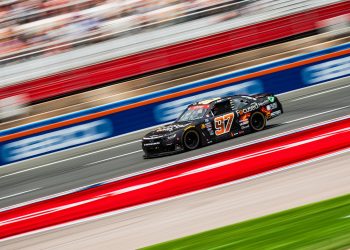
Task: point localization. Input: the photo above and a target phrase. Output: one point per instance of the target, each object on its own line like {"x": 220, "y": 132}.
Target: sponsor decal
{"x": 251, "y": 108}
{"x": 209, "y": 128}
{"x": 171, "y": 127}
{"x": 208, "y": 125}
{"x": 267, "y": 104}
{"x": 192, "y": 126}
{"x": 245, "y": 127}
{"x": 266, "y": 111}
{"x": 273, "y": 105}
{"x": 194, "y": 107}
{"x": 276, "y": 113}
{"x": 152, "y": 137}
{"x": 171, "y": 110}
{"x": 151, "y": 144}
{"x": 271, "y": 98}
{"x": 223, "y": 123}
{"x": 264, "y": 103}
{"x": 327, "y": 71}
{"x": 244, "y": 117}
{"x": 256, "y": 106}
{"x": 244, "y": 122}
{"x": 57, "y": 140}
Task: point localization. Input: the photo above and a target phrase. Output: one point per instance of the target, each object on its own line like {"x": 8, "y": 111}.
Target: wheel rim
{"x": 258, "y": 121}
{"x": 191, "y": 140}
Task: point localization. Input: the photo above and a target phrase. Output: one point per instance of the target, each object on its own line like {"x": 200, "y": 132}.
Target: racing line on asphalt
{"x": 322, "y": 113}
{"x": 320, "y": 93}
{"x": 12, "y": 195}
{"x": 112, "y": 158}
{"x": 68, "y": 159}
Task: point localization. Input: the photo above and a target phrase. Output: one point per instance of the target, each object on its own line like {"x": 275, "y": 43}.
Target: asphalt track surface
{"x": 71, "y": 169}
{"x": 185, "y": 215}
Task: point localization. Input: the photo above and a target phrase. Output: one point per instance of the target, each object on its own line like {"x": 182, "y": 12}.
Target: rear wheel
{"x": 191, "y": 140}
{"x": 257, "y": 121}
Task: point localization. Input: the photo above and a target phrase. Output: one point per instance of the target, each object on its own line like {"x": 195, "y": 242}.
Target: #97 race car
{"x": 210, "y": 121}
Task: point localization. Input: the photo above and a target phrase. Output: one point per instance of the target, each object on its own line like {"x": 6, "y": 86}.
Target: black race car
{"x": 210, "y": 121}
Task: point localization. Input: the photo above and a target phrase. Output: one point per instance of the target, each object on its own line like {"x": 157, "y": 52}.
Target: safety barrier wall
{"x": 159, "y": 107}
{"x": 178, "y": 179}
{"x": 172, "y": 55}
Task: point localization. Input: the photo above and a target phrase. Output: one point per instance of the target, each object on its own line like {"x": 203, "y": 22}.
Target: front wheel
{"x": 257, "y": 121}
{"x": 191, "y": 140}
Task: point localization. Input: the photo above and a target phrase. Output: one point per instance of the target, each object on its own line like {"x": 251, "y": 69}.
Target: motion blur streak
{"x": 179, "y": 179}
{"x": 175, "y": 54}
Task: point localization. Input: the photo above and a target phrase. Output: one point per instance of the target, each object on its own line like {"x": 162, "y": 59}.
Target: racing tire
{"x": 191, "y": 140}
{"x": 257, "y": 121}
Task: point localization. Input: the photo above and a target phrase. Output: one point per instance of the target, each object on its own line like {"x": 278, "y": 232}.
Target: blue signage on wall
{"x": 56, "y": 140}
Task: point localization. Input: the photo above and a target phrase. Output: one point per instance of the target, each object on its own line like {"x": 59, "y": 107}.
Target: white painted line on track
{"x": 322, "y": 113}
{"x": 319, "y": 93}
{"x": 177, "y": 162}
{"x": 70, "y": 158}
{"x": 17, "y": 194}
{"x": 112, "y": 158}
{"x": 149, "y": 204}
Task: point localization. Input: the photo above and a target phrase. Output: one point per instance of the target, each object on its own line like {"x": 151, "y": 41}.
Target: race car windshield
{"x": 193, "y": 113}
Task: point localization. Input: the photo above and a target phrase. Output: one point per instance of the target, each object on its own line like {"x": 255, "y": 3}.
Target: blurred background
{"x": 35, "y": 25}
{"x": 40, "y": 39}
{"x": 40, "y": 28}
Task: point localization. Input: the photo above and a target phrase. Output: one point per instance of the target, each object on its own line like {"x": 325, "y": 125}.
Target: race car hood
{"x": 168, "y": 129}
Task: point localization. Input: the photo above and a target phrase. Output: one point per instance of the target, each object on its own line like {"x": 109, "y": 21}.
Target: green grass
{"x": 323, "y": 225}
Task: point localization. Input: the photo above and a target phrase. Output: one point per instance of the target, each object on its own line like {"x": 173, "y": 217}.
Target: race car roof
{"x": 216, "y": 99}
{"x": 208, "y": 101}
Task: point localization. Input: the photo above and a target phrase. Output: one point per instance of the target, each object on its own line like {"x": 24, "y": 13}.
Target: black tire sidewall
{"x": 251, "y": 119}
{"x": 184, "y": 138}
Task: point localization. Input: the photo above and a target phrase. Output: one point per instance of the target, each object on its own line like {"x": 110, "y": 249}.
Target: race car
{"x": 210, "y": 121}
